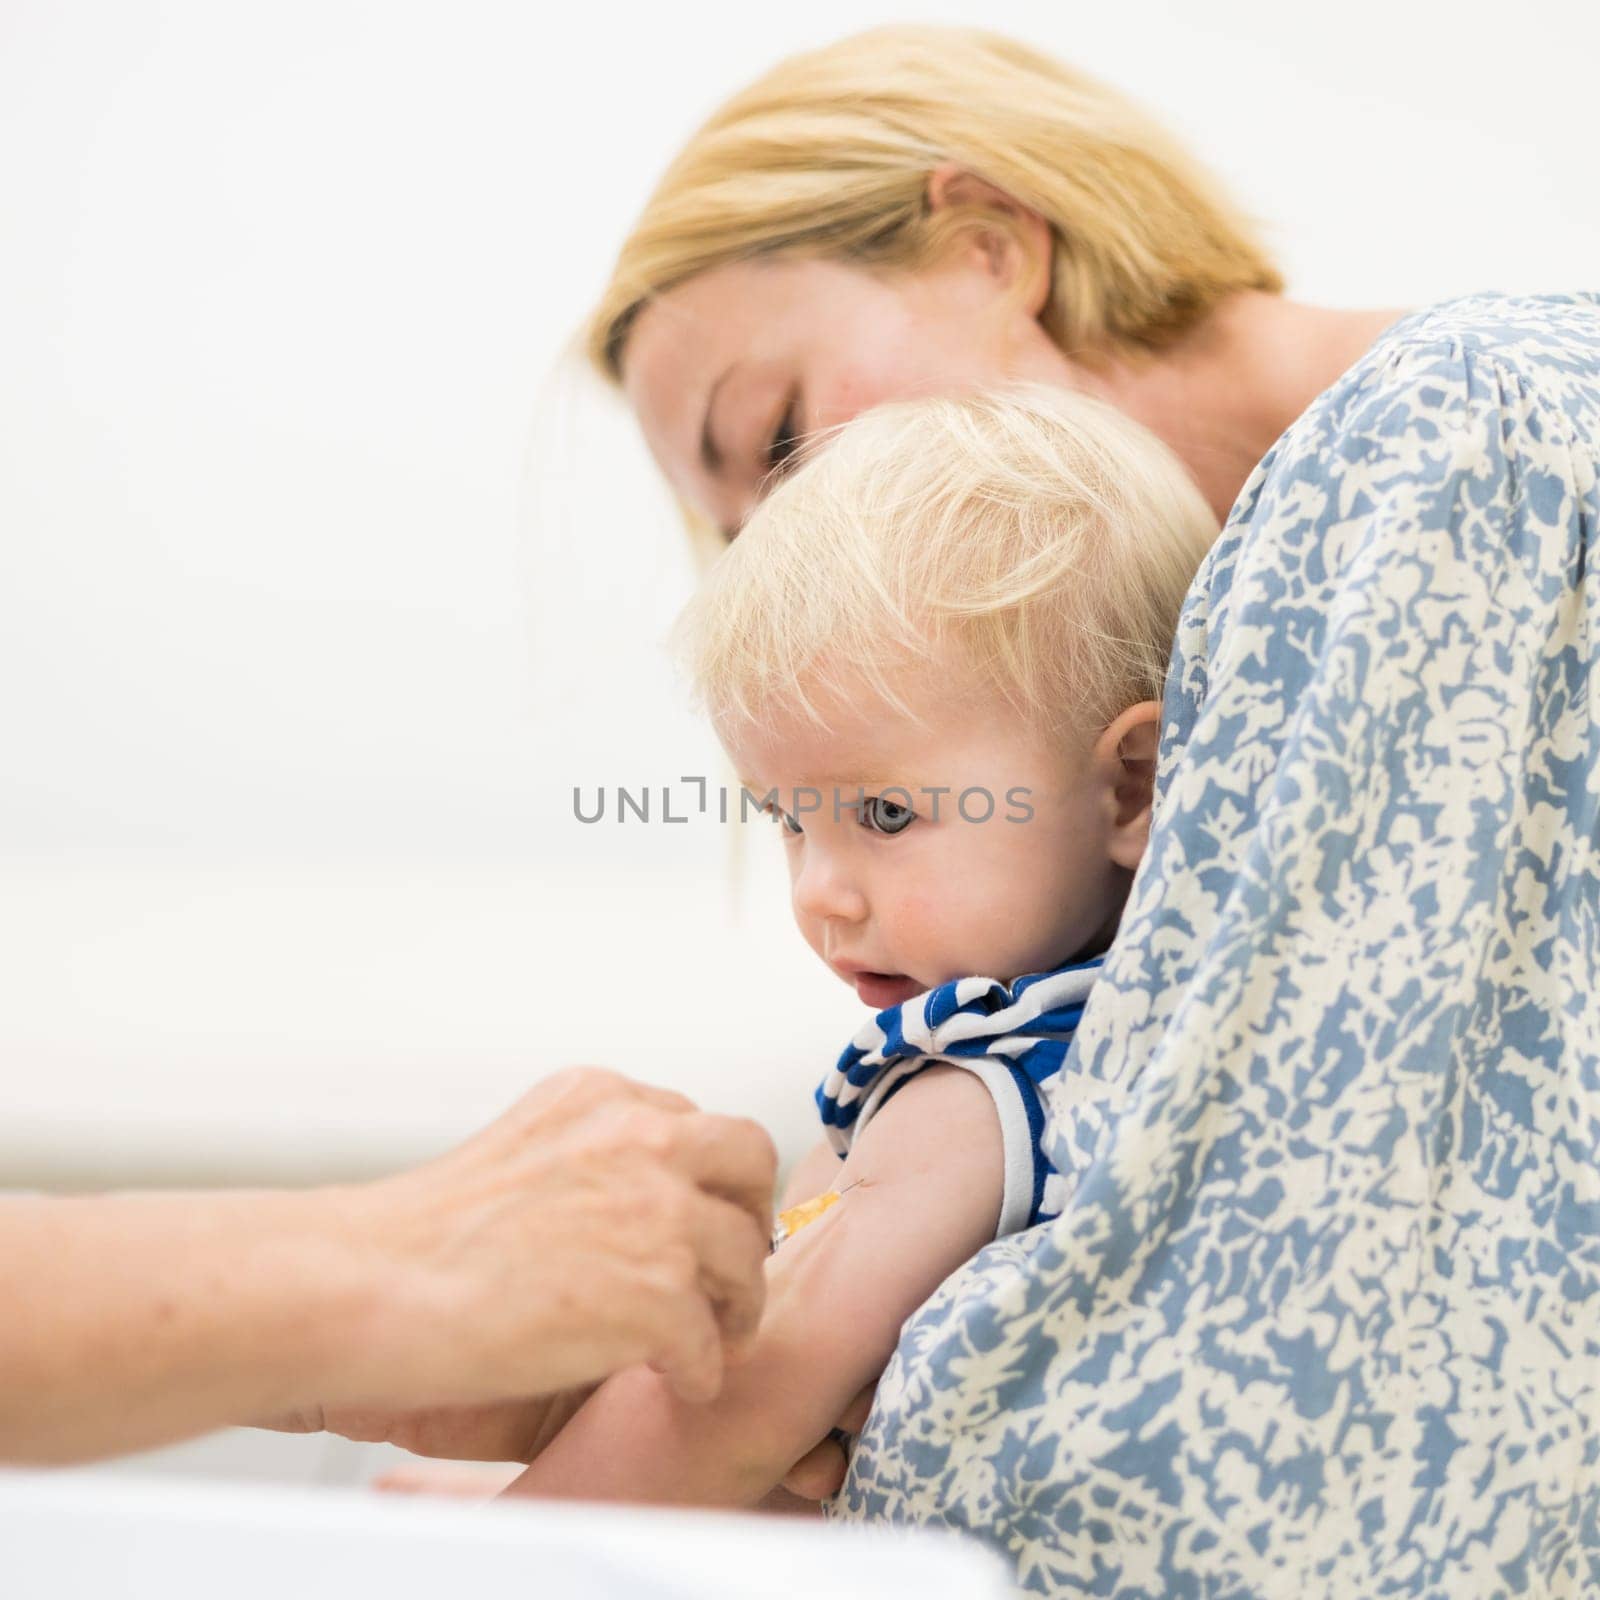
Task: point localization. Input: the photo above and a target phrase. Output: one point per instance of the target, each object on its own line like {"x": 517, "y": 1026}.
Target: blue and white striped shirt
{"x": 1014, "y": 1037}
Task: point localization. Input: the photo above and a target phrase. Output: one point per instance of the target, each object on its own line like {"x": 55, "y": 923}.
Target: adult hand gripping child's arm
{"x": 928, "y": 1174}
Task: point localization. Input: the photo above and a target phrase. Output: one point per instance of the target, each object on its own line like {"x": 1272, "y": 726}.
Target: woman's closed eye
{"x": 786, "y": 440}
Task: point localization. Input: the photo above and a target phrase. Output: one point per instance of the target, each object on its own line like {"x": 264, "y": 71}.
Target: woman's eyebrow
{"x": 710, "y": 455}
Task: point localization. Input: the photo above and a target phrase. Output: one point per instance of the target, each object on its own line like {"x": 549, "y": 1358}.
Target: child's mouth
{"x": 881, "y": 990}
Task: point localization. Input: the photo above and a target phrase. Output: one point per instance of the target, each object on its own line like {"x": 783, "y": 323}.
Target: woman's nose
{"x": 823, "y": 888}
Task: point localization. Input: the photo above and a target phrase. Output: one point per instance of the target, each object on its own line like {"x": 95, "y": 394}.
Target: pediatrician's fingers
{"x": 652, "y": 1094}
{"x": 689, "y": 1355}
{"x": 732, "y": 1252}
{"x": 598, "y": 1224}
{"x": 731, "y": 1157}
{"x": 579, "y": 1090}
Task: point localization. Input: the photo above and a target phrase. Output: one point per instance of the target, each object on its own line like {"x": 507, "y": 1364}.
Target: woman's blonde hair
{"x": 1045, "y": 536}
{"x": 830, "y": 154}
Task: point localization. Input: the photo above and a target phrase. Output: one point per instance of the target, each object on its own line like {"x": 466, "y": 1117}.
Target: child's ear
{"x": 1126, "y": 752}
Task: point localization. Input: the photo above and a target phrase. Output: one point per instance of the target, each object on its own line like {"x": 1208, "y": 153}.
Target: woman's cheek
{"x": 855, "y": 390}
{"x": 876, "y": 363}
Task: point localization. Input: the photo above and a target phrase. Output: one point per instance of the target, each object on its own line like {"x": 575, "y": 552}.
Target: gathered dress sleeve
{"x": 1323, "y": 1314}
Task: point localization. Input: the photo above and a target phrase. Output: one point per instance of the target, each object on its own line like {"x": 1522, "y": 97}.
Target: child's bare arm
{"x": 814, "y": 1173}
{"x": 930, "y": 1173}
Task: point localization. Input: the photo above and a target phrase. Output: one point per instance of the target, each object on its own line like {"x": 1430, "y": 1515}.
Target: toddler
{"x": 935, "y": 656}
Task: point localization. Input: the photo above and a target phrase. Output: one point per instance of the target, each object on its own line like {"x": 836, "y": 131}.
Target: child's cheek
{"x": 921, "y": 915}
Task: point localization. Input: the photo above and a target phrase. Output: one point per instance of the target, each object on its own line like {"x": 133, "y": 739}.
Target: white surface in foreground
{"x": 70, "y": 1536}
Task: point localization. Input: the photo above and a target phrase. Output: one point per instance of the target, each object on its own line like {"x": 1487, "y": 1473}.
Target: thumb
{"x": 693, "y": 1362}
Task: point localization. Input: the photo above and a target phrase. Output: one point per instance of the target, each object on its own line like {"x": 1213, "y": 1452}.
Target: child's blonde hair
{"x": 1044, "y": 535}
{"x": 830, "y": 152}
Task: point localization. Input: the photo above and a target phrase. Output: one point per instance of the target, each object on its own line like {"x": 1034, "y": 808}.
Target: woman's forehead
{"x": 754, "y": 308}
{"x": 696, "y": 321}
{"x": 683, "y": 345}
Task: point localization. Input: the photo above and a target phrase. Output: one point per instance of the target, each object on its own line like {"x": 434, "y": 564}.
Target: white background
{"x": 323, "y": 577}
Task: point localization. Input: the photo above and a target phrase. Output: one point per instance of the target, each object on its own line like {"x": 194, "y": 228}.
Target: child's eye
{"x": 883, "y": 815}
{"x": 791, "y": 823}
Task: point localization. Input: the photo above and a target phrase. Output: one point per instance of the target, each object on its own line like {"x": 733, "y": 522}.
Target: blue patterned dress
{"x": 1322, "y": 1317}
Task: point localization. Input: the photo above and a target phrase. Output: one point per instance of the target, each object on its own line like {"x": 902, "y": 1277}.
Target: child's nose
{"x": 823, "y": 888}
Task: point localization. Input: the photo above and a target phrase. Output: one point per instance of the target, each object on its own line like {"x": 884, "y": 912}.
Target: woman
{"x": 1325, "y": 1315}
{"x": 597, "y": 1224}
